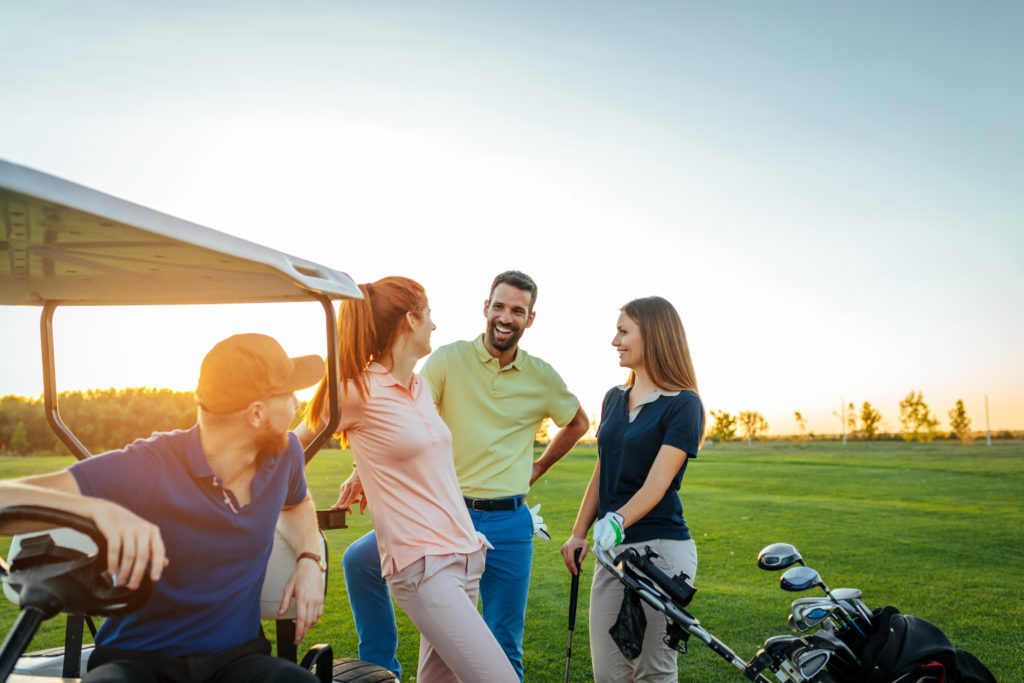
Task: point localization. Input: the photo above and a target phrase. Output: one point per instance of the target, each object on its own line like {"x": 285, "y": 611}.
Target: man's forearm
{"x": 561, "y": 443}
{"x": 299, "y": 527}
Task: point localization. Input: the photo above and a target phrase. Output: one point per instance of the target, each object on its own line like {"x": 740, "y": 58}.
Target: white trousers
{"x": 439, "y": 594}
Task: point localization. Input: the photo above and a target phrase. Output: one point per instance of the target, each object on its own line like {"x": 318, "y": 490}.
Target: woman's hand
{"x": 569, "y": 549}
{"x": 351, "y": 491}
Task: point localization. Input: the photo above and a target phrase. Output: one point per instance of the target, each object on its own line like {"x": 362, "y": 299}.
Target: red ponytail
{"x": 367, "y": 329}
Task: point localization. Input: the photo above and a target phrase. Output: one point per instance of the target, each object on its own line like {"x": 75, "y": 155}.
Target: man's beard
{"x": 505, "y": 345}
{"x": 270, "y": 443}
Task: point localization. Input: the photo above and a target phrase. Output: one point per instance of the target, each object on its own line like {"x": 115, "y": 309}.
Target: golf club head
{"x": 779, "y": 647}
{"x": 846, "y": 593}
{"x": 812, "y": 613}
{"x": 778, "y": 556}
{"x": 799, "y": 579}
{"x": 810, "y": 662}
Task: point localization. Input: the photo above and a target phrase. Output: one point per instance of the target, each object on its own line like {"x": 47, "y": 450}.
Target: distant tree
{"x": 590, "y": 436}
{"x": 851, "y": 420}
{"x": 753, "y": 424}
{"x": 869, "y": 419}
{"x": 544, "y": 431}
{"x": 19, "y": 440}
{"x": 960, "y": 424}
{"x": 801, "y": 424}
{"x": 918, "y": 423}
{"x": 724, "y": 427}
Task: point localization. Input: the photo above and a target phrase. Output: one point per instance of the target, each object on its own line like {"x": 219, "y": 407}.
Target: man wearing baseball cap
{"x": 196, "y": 510}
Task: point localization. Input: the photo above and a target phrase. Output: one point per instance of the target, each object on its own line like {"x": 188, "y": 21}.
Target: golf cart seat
{"x": 279, "y": 569}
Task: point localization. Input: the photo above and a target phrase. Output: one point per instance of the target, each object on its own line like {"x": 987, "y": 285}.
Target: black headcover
{"x": 902, "y": 644}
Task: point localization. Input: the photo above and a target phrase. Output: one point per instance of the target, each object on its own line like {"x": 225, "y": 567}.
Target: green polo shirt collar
{"x": 485, "y": 356}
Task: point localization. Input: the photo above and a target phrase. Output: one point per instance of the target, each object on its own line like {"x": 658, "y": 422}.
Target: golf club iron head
{"x": 813, "y": 613}
{"x": 778, "y": 556}
{"x": 809, "y": 613}
{"x": 851, "y": 597}
{"x": 810, "y": 662}
{"x": 779, "y": 648}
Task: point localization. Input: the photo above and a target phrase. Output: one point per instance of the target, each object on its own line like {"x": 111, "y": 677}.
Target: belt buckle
{"x": 473, "y": 507}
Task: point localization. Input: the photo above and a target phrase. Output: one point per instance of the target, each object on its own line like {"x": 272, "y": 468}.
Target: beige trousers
{"x": 656, "y": 662}
{"x": 439, "y": 594}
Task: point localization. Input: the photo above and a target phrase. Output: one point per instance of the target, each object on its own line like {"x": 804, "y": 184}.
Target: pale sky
{"x": 829, "y": 193}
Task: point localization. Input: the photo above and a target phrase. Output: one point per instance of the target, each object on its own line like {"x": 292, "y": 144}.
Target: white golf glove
{"x": 608, "y": 531}
{"x": 539, "y": 527}
{"x": 483, "y": 539}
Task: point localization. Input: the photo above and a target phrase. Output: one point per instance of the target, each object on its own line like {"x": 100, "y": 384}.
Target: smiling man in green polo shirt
{"x": 493, "y": 396}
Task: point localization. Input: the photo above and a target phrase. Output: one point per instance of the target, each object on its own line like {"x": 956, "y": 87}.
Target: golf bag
{"x": 907, "y": 649}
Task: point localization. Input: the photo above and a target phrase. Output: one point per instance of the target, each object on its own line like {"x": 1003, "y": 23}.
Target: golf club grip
{"x": 574, "y": 589}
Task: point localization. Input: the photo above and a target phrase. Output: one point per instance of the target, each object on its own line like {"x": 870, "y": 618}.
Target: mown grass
{"x": 935, "y": 529}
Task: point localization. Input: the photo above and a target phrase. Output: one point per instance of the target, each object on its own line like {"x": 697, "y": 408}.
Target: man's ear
{"x": 529, "y": 319}
{"x": 256, "y": 413}
{"x": 487, "y": 306}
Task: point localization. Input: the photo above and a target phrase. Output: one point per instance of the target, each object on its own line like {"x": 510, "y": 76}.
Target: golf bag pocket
{"x": 629, "y": 627}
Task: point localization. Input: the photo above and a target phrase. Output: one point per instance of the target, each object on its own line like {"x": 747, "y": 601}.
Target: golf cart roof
{"x": 62, "y": 242}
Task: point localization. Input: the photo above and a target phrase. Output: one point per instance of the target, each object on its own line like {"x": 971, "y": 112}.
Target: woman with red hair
{"x": 431, "y": 556}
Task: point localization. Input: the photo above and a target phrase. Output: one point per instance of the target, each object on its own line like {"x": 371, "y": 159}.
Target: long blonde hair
{"x": 367, "y": 329}
{"x": 666, "y": 353}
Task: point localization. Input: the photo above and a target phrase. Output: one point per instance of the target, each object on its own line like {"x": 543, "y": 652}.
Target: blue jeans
{"x": 503, "y": 588}
{"x": 371, "y": 604}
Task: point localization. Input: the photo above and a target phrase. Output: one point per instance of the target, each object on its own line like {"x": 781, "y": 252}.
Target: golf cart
{"x": 62, "y": 244}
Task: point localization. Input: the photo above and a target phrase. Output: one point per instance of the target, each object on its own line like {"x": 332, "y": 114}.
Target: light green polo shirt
{"x": 494, "y": 413}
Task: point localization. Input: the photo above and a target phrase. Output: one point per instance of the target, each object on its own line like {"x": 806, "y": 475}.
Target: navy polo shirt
{"x": 208, "y": 598}
{"x": 627, "y": 451}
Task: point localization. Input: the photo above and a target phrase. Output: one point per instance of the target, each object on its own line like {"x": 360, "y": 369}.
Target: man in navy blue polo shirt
{"x": 197, "y": 509}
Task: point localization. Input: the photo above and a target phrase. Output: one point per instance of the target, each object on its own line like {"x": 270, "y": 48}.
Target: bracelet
{"x": 312, "y": 556}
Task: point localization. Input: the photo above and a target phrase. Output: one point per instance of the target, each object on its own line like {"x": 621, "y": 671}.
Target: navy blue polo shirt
{"x": 208, "y": 598}
{"x": 627, "y": 451}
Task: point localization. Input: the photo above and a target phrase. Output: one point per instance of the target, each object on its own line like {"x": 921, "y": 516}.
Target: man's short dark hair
{"x": 519, "y": 280}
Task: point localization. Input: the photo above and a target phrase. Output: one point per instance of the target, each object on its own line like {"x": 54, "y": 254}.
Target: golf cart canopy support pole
{"x": 50, "y": 385}
{"x": 332, "y": 381}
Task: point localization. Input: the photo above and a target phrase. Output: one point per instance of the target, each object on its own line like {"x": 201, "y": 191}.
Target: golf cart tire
{"x": 357, "y": 671}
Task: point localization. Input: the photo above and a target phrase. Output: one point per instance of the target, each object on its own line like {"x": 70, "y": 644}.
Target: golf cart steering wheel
{"x": 59, "y": 579}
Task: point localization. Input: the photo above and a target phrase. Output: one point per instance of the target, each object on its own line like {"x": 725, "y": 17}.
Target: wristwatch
{"x": 312, "y": 556}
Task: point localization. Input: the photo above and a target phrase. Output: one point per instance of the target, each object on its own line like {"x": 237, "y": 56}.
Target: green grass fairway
{"x": 935, "y": 529}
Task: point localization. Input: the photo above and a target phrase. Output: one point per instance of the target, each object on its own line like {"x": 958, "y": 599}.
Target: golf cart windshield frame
{"x": 65, "y": 244}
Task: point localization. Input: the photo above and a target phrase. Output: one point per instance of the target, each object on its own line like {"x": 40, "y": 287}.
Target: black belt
{"x": 494, "y": 504}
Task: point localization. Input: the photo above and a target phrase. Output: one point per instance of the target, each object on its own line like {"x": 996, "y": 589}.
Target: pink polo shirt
{"x": 404, "y": 454}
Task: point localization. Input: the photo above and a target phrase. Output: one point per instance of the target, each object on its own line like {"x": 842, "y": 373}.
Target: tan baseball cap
{"x": 249, "y": 367}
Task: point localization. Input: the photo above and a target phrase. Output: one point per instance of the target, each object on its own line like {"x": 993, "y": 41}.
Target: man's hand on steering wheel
{"x": 132, "y": 543}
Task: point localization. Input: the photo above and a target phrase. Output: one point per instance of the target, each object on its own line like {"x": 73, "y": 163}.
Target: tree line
{"x": 102, "y": 419}
{"x": 918, "y": 422}
{"x": 105, "y": 419}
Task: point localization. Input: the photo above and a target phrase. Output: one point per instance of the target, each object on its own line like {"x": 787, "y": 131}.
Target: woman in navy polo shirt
{"x": 650, "y": 427}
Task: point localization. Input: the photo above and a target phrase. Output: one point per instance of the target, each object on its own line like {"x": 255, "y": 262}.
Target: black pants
{"x": 247, "y": 663}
